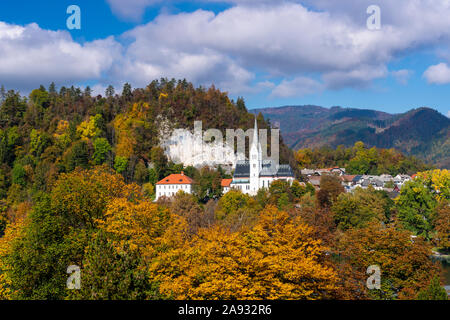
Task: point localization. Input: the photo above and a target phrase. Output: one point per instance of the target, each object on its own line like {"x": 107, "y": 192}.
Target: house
{"x": 400, "y": 179}
{"x": 347, "y": 180}
{"x": 315, "y": 181}
{"x": 386, "y": 178}
{"x": 307, "y": 172}
{"x": 337, "y": 171}
{"x": 170, "y": 185}
{"x": 226, "y": 185}
{"x": 256, "y": 173}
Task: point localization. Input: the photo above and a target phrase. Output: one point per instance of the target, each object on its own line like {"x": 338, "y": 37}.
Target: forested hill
{"x": 423, "y": 132}
{"x": 54, "y": 130}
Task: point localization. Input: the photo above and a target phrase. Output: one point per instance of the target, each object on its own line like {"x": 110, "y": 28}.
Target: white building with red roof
{"x": 170, "y": 185}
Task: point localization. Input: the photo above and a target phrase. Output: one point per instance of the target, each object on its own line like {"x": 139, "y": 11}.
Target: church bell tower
{"x": 255, "y": 161}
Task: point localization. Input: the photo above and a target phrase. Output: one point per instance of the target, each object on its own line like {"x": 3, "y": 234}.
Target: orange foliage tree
{"x": 277, "y": 259}
{"x": 404, "y": 262}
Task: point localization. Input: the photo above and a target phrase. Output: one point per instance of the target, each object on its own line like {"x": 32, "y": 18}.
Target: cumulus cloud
{"x": 297, "y": 87}
{"x": 438, "y": 74}
{"x": 31, "y": 56}
{"x": 237, "y": 47}
{"x": 283, "y": 39}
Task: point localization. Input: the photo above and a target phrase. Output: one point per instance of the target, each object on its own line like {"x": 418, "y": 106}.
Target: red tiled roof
{"x": 348, "y": 178}
{"x": 226, "y": 182}
{"x": 176, "y": 179}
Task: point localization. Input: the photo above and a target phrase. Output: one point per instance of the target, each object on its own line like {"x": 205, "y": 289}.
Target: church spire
{"x": 255, "y": 134}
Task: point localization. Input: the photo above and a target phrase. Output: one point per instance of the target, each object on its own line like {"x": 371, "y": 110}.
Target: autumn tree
{"x": 405, "y": 264}
{"x": 277, "y": 259}
{"x": 187, "y": 206}
{"x": 59, "y": 229}
{"x": 441, "y": 224}
{"x": 330, "y": 189}
{"x": 135, "y": 225}
{"x": 438, "y": 182}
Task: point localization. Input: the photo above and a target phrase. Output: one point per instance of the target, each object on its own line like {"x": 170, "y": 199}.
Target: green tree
{"x": 126, "y": 92}
{"x": 109, "y": 93}
{"x": 111, "y": 275}
{"x": 434, "y": 291}
{"x": 19, "y": 175}
{"x": 39, "y": 141}
{"x": 121, "y": 164}
{"x": 141, "y": 173}
{"x": 207, "y": 184}
{"x": 357, "y": 209}
{"x": 101, "y": 150}
{"x": 230, "y": 203}
{"x": 77, "y": 156}
{"x": 297, "y": 189}
{"x": 40, "y": 98}
{"x": 416, "y": 205}
{"x": 39, "y": 260}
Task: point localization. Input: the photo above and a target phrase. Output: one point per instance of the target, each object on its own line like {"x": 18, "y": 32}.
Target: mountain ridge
{"x": 422, "y": 132}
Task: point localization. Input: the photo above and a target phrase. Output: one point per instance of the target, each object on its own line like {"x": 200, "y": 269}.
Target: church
{"x": 256, "y": 173}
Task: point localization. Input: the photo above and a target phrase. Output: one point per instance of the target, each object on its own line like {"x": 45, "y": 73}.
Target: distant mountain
{"x": 422, "y": 132}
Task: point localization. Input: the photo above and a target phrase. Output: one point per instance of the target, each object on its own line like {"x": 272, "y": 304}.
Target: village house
{"x": 170, "y": 185}
{"x": 320, "y": 172}
{"x": 350, "y": 182}
{"x": 226, "y": 185}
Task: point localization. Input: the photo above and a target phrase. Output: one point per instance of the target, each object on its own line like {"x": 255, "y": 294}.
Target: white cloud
{"x": 402, "y": 76}
{"x": 438, "y": 74}
{"x": 360, "y": 77}
{"x": 131, "y": 9}
{"x": 448, "y": 114}
{"x": 283, "y": 40}
{"x": 237, "y": 47}
{"x": 297, "y": 87}
{"x": 31, "y": 56}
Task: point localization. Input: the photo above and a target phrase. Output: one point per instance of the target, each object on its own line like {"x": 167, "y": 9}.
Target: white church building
{"x": 256, "y": 173}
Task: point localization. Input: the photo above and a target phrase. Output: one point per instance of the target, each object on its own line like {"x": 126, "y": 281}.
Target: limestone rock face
{"x": 196, "y": 149}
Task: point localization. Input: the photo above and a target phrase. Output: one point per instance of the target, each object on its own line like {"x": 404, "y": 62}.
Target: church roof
{"x": 242, "y": 169}
{"x": 269, "y": 169}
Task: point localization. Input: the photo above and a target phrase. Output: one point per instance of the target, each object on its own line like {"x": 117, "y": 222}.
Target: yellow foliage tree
{"x": 438, "y": 181}
{"x": 277, "y": 259}
{"x": 13, "y": 231}
{"x": 88, "y": 129}
{"x": 137, "y": 226}
{"x": 125, "y": 124}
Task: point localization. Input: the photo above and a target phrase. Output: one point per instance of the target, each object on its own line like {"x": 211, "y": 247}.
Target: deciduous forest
{"x": 77, "y": 187}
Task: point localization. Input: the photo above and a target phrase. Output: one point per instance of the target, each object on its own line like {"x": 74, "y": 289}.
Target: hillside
{"x": 422, "y": 132}
{"x": 52, "y": 131}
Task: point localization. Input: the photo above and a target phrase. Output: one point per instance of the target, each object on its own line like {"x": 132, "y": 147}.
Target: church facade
{"x": 256, "y": 173}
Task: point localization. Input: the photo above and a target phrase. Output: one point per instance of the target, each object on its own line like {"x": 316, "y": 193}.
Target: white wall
{"x": 169, "y": 190}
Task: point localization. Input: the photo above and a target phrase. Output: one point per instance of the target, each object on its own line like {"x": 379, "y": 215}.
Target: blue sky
{"x": 272, "y": 53}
